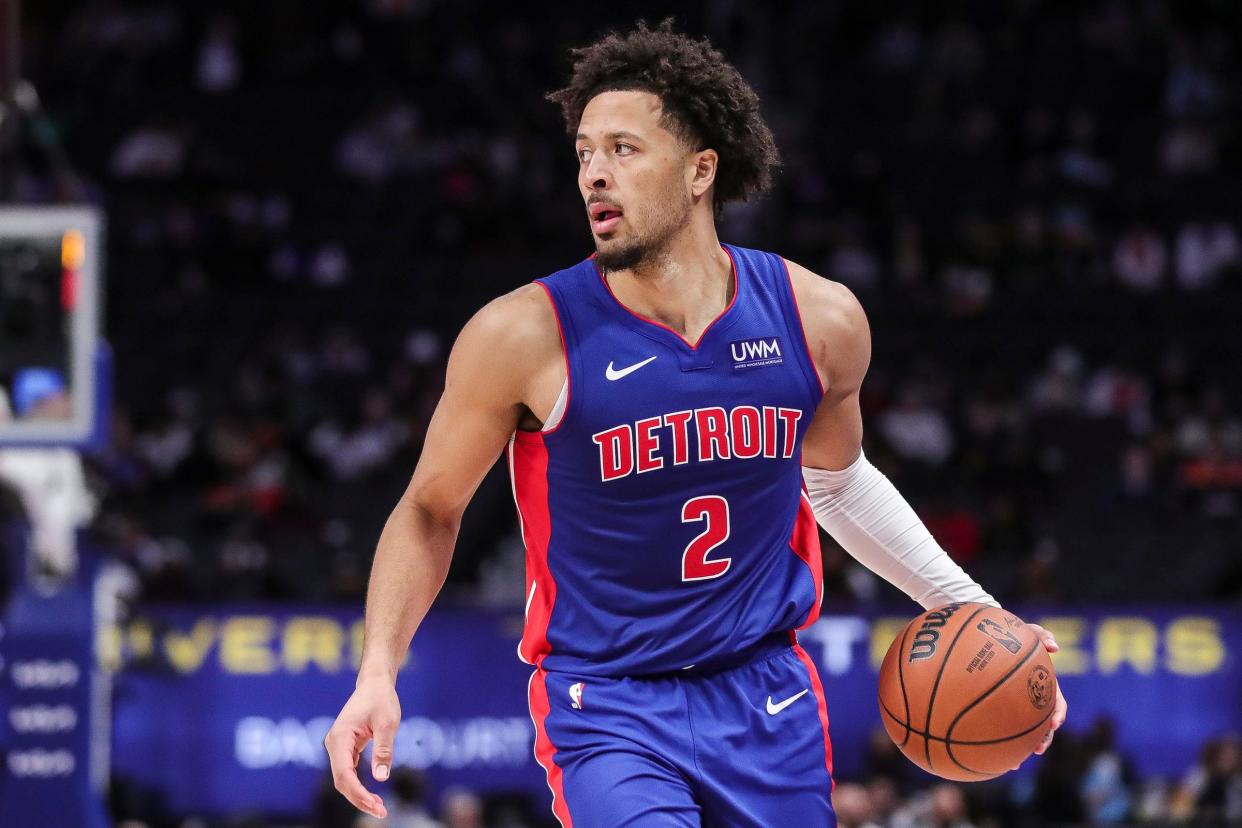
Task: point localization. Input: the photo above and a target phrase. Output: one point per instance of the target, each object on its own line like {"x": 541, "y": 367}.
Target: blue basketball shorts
{"x": 742, "y": 746}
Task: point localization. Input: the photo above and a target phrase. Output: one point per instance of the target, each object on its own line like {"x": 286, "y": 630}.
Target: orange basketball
{"x": 967, "y": 691}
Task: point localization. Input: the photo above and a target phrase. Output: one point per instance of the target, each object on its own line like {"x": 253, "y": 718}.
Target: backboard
{"x": 53, "y": 362}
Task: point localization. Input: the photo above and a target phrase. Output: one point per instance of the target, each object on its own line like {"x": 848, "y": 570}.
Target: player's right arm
{"x": 502, "y": 367}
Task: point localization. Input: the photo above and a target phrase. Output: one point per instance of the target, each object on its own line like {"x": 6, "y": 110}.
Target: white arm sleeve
{"x": 866, "y": 514}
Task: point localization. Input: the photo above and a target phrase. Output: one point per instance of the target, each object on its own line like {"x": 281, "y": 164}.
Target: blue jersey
{"x": 664, "y": 517}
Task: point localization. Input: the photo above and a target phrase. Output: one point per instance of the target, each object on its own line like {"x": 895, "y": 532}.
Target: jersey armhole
{"x": 808, "y": 361}
{"x": 558, "y": 409}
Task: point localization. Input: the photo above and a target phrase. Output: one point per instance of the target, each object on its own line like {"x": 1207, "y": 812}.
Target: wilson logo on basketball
{"x": 925, "y": 640}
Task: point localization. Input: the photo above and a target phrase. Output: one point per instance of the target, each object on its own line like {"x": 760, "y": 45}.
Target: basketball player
{"x": 662, "y": 404}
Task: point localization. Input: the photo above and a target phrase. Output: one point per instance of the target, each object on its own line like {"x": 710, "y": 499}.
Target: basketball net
{"x": 52, "y": 489}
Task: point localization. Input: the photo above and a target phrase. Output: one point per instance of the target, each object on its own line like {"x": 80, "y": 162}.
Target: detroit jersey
{"x": 663, "y": 516}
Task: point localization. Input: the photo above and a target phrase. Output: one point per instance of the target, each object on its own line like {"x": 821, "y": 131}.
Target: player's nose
{"x": 596, "y": 175}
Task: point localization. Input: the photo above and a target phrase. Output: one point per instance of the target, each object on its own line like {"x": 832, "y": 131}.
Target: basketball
{"x": 966, "y": 691}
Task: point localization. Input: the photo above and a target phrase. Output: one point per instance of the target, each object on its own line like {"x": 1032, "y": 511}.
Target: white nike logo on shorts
{"x": 614, "y": 374}
{"x": 773, "y": 709}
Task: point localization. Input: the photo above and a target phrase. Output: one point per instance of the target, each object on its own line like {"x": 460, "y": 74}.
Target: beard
{"x": 668, "y": 218}
{"x": 625, "y": 257}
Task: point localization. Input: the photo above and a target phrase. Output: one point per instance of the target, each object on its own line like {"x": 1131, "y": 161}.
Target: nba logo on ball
{"x": 575, "y": 695}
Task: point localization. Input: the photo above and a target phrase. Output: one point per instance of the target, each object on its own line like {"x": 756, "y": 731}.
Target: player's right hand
{"x": 372, "y": 712}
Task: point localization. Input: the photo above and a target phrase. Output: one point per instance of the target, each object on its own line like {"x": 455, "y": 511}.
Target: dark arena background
{"x": 287, "y": 210}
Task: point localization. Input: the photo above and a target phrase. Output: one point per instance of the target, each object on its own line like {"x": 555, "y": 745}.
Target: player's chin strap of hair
{"x": 866, "y": 514}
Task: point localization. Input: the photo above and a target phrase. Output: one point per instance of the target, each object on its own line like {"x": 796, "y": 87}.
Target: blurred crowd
{"x": 1035, "y": 203}
{"x": 1083, "y": 779}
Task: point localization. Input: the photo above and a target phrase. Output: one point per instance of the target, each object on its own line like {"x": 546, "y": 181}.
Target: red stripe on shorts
{"x": 817, "y": 689}
{"x": 545, "y": 751}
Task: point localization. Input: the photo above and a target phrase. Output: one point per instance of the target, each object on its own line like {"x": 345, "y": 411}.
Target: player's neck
{"x": 685, "y": 287}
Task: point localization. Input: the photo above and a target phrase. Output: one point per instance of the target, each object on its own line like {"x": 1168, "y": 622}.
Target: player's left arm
{"x": 852, "y": 500}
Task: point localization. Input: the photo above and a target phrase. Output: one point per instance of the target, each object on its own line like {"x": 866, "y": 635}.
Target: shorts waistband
{"x": 769, "y": 645}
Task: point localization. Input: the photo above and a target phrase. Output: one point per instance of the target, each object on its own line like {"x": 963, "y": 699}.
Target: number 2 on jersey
{"x": 714, "y": 511}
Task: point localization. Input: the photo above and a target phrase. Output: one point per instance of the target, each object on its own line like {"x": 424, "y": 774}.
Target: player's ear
{"x": 703, "y": 166}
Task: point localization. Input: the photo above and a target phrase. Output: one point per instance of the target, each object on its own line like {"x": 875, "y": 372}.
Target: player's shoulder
{"x": 508, "y": 352}
{"x": 519, "y": 324}
{"x": 829, "y": 309}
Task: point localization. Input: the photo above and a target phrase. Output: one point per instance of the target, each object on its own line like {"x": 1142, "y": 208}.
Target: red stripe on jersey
{"x": 528, "y": 468}
{"x": 817, "y": 689}
{"x": 545, "y": 751}
{"x": 804, "y": 541}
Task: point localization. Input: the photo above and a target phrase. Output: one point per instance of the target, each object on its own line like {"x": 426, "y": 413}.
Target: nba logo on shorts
{"x": 575, "y": 695}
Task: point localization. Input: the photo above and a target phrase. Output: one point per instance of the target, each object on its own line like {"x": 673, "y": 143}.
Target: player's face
{"x": 633, "y": 175}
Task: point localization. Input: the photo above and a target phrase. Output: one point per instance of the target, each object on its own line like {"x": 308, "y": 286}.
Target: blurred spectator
{"x": 219, "y": 64}
{"x": 1152, "y": 802}
{"x": 382, "y": 145}
{"x": 1191, "y": 88}
{"x": 1137, "y": 470}
{"x": 852, "y": 804}
{"x": 948, "y": 807}
{"x": 1059, "y": 387}
{"x": 462, "y": 809}
{"x": 331, "y": 810}
{"x": 1106, "y": 782}
{"x": 854, "y": 265}
{"x": 1115, "y": 392}
{"x": 915, "y": 429}
{"x": 956, "y": 529}
{"x": 1039, "y": 581}
{"x": 405, "y": 805}
{"x": 166, "y": 446}
{"x": 1211, "y": 792}
{"x": 882, "y": 795}
{"x": 1189, "y": 149}
{"x": 155, "y": 150}
{"x": 1057, "y": 800}
{"x": 1141, "y": 259}
{"x": 1204, "y": 252}
{"x": 941, "y": 806}
{"x": 367, "y": 447}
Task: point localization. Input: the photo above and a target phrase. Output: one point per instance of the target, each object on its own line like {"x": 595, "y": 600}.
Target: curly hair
{"x": 706, "y": 102}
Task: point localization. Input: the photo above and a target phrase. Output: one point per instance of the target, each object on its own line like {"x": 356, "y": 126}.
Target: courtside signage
{"x": 254, "y": 688}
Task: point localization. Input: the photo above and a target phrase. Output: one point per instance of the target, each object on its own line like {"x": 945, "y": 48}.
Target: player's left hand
{"x": 1058, "y": 712}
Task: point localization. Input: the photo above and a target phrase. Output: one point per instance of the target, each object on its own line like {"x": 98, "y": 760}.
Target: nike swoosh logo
{"x": 773, "y": 709}
{"x": 614, "y": 374}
